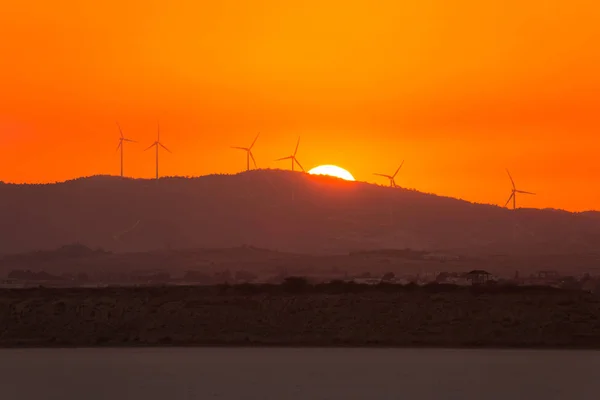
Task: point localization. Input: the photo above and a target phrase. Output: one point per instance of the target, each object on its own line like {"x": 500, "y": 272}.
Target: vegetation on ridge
{"x": 274, "y": 209}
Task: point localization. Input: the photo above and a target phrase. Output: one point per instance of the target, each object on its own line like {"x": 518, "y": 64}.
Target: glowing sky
{"x": 459, "y": 89}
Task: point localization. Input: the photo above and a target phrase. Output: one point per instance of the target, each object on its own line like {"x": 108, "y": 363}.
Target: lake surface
{"x": 307, "y": 374}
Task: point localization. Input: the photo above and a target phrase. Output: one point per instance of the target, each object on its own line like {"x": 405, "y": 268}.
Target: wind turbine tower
{"x": 514, "y": 191}
{"x": 158, "y": 144}
{"x": 249, "y": 155}
{"x": 293, "y": 157}
{"x": 121, "y": 145}
{"x": 392, "y": 177}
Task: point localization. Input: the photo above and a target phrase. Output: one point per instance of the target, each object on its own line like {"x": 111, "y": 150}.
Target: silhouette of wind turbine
{"x": 513, "y": 195}
{"x": 249, "y": 155}
{"x": 392, "y": 177}
{"x": 121, "y": 146}
{"x": 293, "y": 157}
{"x": 157, "y": 144}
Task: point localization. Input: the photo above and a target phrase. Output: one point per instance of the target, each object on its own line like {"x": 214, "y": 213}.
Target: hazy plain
{"x": 288, "y": 373}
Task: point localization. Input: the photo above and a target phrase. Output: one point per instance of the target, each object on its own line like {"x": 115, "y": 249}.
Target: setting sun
{"x": 332, "y": 170}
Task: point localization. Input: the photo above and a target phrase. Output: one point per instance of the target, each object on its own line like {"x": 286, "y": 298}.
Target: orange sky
{"x": 459, "y": 89}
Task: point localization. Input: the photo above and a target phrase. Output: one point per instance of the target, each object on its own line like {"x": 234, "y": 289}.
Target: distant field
{"x": 328, "y": 315}
{"x": 65, "y": 266}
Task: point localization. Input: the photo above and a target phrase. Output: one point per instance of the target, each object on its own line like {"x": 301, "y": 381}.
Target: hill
{"x": 278, "y": 210}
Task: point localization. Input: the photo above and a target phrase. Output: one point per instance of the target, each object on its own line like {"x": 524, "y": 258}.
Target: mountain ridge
{"x": 275, "y": 209}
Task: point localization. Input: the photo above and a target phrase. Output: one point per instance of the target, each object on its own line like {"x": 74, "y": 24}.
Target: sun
{"x": 332, "y": 170}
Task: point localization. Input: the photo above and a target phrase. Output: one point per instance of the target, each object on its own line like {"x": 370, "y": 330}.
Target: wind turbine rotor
{"x": 396, "y": 173}
{"x": 297, "y": 144}
{"x": 255, "y": 139}
{"x": 120, "y": 131}
{"x": 151, "y": 146}
{"x": 509, "y": 199}
{"x": 511, "y": 180}
{"x": 300, "y": 165}
{"x": 164, "y": 147}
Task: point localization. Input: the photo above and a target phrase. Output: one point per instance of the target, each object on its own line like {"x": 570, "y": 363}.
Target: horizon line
{"x": 59, "y": 182}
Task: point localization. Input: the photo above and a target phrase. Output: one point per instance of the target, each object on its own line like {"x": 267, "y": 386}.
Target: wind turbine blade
{"x": 120, "y": 144}
{"x": 396, "y": 173}
{"x": 151, "y": 146}
{"x": 300, "y": 165}
{"x": 524, "y": 192}
{"x": 120, "y": 131}
{"x": 297, "y": 144}
{"x": 240, "y": 148}
{"x": 158, "y": 126}
{"x": 509, "y": 199}
{"x": 385, "y": 176}
{"x": 253, "y": 160}
{"x": 129, "y": 140}
{"x": 511, "y": 179}
{"x": 284, "y": 158}
{"x": 164, "y": 147}
{"x": 255, "y": 139}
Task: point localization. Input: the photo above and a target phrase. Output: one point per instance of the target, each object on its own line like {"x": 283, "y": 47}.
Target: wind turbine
{"x": 293, "y": 157}
{"x": 249, "y": 155}
{"x": 158, "y": 144}
{"x": 513, "y": 195}
{"x": 392, "y": 177}
{"x": 121, "y": 146}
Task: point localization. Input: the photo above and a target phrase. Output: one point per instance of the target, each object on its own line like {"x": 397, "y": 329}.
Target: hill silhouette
{"x": 279, "y": 210}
